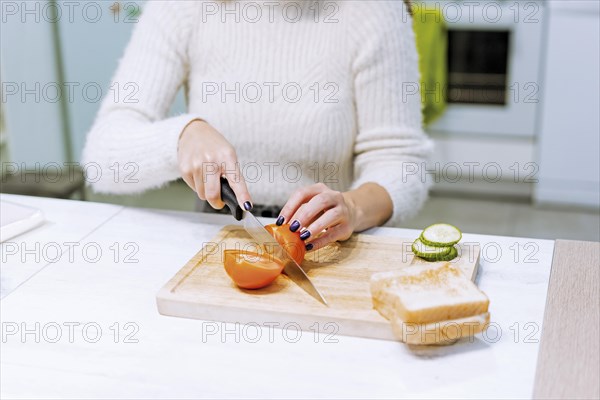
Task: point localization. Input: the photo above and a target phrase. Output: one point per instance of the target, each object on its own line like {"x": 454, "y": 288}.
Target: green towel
{"x": 432, "y": 46}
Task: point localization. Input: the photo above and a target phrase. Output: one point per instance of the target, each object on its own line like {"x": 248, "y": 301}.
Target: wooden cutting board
{"x": 341, "y": 272}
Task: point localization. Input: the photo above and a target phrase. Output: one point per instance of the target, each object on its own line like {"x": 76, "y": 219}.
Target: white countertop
{"x": 168, "y": 357}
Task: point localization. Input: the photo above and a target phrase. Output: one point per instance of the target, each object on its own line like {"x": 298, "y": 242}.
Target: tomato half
{"x": 288, "y": 240}
{"x": 251, "y": 270}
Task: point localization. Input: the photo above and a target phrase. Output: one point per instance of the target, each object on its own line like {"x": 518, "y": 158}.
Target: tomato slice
{"x": 288, "y": 240}
{"x": 251, "y": 270}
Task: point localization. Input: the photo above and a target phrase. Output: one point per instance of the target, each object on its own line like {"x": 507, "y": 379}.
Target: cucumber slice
{"x": 429, "y": 252}
{"x": 447, "y": 257}
{"x": 441, "y": 235}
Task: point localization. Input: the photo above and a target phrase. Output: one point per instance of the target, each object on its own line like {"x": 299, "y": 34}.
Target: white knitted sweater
{"x": 317, "y": 97}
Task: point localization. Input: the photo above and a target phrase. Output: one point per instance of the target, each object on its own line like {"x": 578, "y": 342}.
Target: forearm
{"x": 127, "y": 154}
{"x": 371, "y": 206}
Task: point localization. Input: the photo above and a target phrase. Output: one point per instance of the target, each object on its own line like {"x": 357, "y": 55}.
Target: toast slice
{"x": 422, "y": 294}
{"x": 440, "y": 333}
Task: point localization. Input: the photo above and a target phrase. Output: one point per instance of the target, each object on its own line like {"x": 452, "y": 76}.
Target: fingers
{"x": 199, "y": 184}
{"x": 188, "y": 178}
{"x": 187, "y": 173}
{"x": 336, "y": 225}
{"x": 206, "y": 181}
{"x": 204, "y": 155}
{"x": 238, "y": 184}
{"x": 212, "y": 185}
{"x": 299, "y": 197}
{"x": 315, "y": 207}
{"x": 330, "y": 218}
{"x": 338, "y": 232}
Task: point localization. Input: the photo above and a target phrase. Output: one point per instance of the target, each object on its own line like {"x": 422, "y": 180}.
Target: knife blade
{"x": 258, "y": 232}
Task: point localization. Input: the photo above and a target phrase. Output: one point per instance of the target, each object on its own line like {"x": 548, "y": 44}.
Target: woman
{"x": 300, "y": 105}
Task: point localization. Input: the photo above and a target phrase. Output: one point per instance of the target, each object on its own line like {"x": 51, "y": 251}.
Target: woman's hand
{"x": 204, "y": 156}
{"x": 318, "y": 208}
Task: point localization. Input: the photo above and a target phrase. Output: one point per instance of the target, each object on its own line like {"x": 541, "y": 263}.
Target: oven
{"x": 493, "y": 64}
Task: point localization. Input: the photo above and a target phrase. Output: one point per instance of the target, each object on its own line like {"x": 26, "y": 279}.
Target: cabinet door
{"x": 570, "y": 128}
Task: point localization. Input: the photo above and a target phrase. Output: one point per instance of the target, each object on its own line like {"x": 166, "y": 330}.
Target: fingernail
{"x": 248, "y": 206}
{"x": 280, "y": 220}
{"x": 305, "y": 235}
{"x": 309, "y": 247}
{"x": 294, "y": 226}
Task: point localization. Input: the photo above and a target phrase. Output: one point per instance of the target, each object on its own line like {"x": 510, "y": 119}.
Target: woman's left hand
{"x": 316, "y": 208}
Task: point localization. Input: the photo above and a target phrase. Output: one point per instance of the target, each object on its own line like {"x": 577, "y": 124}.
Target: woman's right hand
{"x": 204, "y": 156}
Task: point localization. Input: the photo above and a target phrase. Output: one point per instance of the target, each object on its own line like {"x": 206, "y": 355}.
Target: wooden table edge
{"x": 568, "y": 365}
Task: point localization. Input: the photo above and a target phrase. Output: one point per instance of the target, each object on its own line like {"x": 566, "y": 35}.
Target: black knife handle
{"x": 228, "y": 197}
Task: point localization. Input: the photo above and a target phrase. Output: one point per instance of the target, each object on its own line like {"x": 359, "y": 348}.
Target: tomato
{"x": 288, "y": 240}
{"x": 251, "y": 270}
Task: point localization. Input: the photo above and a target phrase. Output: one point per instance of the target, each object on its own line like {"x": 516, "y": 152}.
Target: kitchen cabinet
{"x": 568, "y": 151}
{"x": 92, "y": 44}
{"x": 31, "y": 110}
{"x": 92, "y": 39}
{"x": 92, "y": 49}
{"x": 489, "y": 129}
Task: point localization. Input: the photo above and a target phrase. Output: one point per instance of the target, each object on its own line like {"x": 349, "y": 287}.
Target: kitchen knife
{"x": 258, "y": 232}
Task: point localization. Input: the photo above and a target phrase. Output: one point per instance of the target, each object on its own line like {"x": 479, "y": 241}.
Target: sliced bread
{"x": 427, "y": 293}
{"x": 444, "y": 332}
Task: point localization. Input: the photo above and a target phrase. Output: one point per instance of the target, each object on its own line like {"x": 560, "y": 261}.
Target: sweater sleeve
{"x": 390, "y": 146}
{"x": 131, "y": 144}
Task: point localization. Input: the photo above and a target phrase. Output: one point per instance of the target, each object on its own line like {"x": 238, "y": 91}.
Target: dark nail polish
{"x": 305, "y": 235}
{"x": 295, "y": 226}
{"x": 280, "y": 220}
{"x": 248, "y": 206}
{"x": 309, "y": 247}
